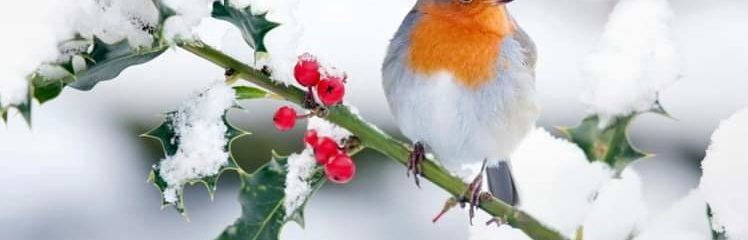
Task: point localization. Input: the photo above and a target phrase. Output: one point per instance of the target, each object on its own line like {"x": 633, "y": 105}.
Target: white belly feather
{"x": 464, "y": 126}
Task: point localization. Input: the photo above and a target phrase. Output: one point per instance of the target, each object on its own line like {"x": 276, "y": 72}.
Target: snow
{"x": 618, "y": 211}
{"x": 481, "y": 231}
{"x": 282, "y": 42}
{"x": 684, "y": 220}
{"x": 200, "y": 129}
{"x": 189, "y": 14}
{"x": 724, "y": 170}
{"x": 634, "y": 61}
{"x": 326, "y": 129}
{"x": 556, "y": 182}
{"x": 301, "y": 168}
{"x": 116, "y": 20}
{"x": 26, "y": 49}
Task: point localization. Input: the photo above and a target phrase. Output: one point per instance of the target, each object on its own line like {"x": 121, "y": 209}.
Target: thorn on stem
{"x": 451, "y": 203}
{"x": 266, "y": 70}
{"x": 229, "y": 72}
{"x": 351, "y": 143}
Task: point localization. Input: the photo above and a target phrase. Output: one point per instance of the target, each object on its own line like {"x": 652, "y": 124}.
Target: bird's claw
{"x": 415, "y": 162}
{"x": 473, "y": 195}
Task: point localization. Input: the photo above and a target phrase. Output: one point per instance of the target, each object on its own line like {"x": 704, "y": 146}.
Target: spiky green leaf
{"x": 165, "y": 134}
{"x": 608, "y": 144}
{"x": 107, "y": 61}
{"x": 261, "y": 197}
{"x": 46, "y": 89}
{"x": 253, "y": 27}
{"x": 24, "y": 109}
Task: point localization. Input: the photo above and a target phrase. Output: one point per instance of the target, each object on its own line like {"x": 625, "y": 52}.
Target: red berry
{"x": 306, "y": 71}
{"x": 340, "y": 169}
{"x": 311, "y": 138}
{"x": 325, "y": 149}
{"x": 331, "y": 90}
{"x": 285, "y": 118}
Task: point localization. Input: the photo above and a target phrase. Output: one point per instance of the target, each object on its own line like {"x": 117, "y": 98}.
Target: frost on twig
{"x": 724, "y": 175}
{"x": 327, "y": 129}
{"x": 634, "y": 62}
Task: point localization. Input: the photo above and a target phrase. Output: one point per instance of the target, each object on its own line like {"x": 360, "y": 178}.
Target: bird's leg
{"x": 415, "y": 162}
{"x": 473, "y": 195}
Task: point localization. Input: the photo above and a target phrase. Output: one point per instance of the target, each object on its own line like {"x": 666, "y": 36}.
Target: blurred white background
{"x": 80, "y": 172}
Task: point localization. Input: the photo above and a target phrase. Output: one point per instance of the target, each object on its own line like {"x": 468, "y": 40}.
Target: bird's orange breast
{"x": 466, "y": 44}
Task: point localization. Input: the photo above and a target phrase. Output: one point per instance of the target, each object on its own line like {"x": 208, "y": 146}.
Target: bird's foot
{"x": 473, "y": 194}
{"x": 415, "y": 162}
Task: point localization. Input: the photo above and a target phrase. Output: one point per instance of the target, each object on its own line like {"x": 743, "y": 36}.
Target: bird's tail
{"x": 501, "y": 183}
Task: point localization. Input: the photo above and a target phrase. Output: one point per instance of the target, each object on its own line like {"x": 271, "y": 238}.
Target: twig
{"x": 373, "y": 138}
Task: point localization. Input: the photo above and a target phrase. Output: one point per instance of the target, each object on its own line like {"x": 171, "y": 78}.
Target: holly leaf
{"x": 610, "y": 144}
{"x": 262, "y": 195}
{"x": 107, "y": 61}
{"x": 164, "y": 11}
{"x": 253, "y": 27}
{"x": 24, "y": 109}
{"x": 46, "y": 89}
{"x": 169, "y": 140}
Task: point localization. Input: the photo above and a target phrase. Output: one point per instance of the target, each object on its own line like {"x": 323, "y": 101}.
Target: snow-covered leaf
{"x": 24, "y": 109}
{"x": 610, "y": 144}
{"x": 166, "y": 135}
{"x": 253, "y": 27}
{"x": 262, "y": 197}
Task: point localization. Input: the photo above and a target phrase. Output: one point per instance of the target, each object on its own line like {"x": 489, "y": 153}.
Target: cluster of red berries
{"x": 330, "y": 90}
{"x": 330, "y": 87}
{"x": 339, "y": 167}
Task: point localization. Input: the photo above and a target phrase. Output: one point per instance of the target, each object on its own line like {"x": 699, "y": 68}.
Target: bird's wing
{"x": 531, "y": 54}
{"x": 400, "y": 41}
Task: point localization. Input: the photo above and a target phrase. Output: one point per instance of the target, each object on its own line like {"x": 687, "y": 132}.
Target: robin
{"x": 459, "y": 77}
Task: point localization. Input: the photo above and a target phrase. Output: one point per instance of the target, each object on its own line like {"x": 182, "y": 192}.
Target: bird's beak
{"x": 504, "y": 1}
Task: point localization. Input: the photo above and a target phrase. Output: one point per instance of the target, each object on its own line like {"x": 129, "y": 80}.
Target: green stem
{"x": 373, "y": 138}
